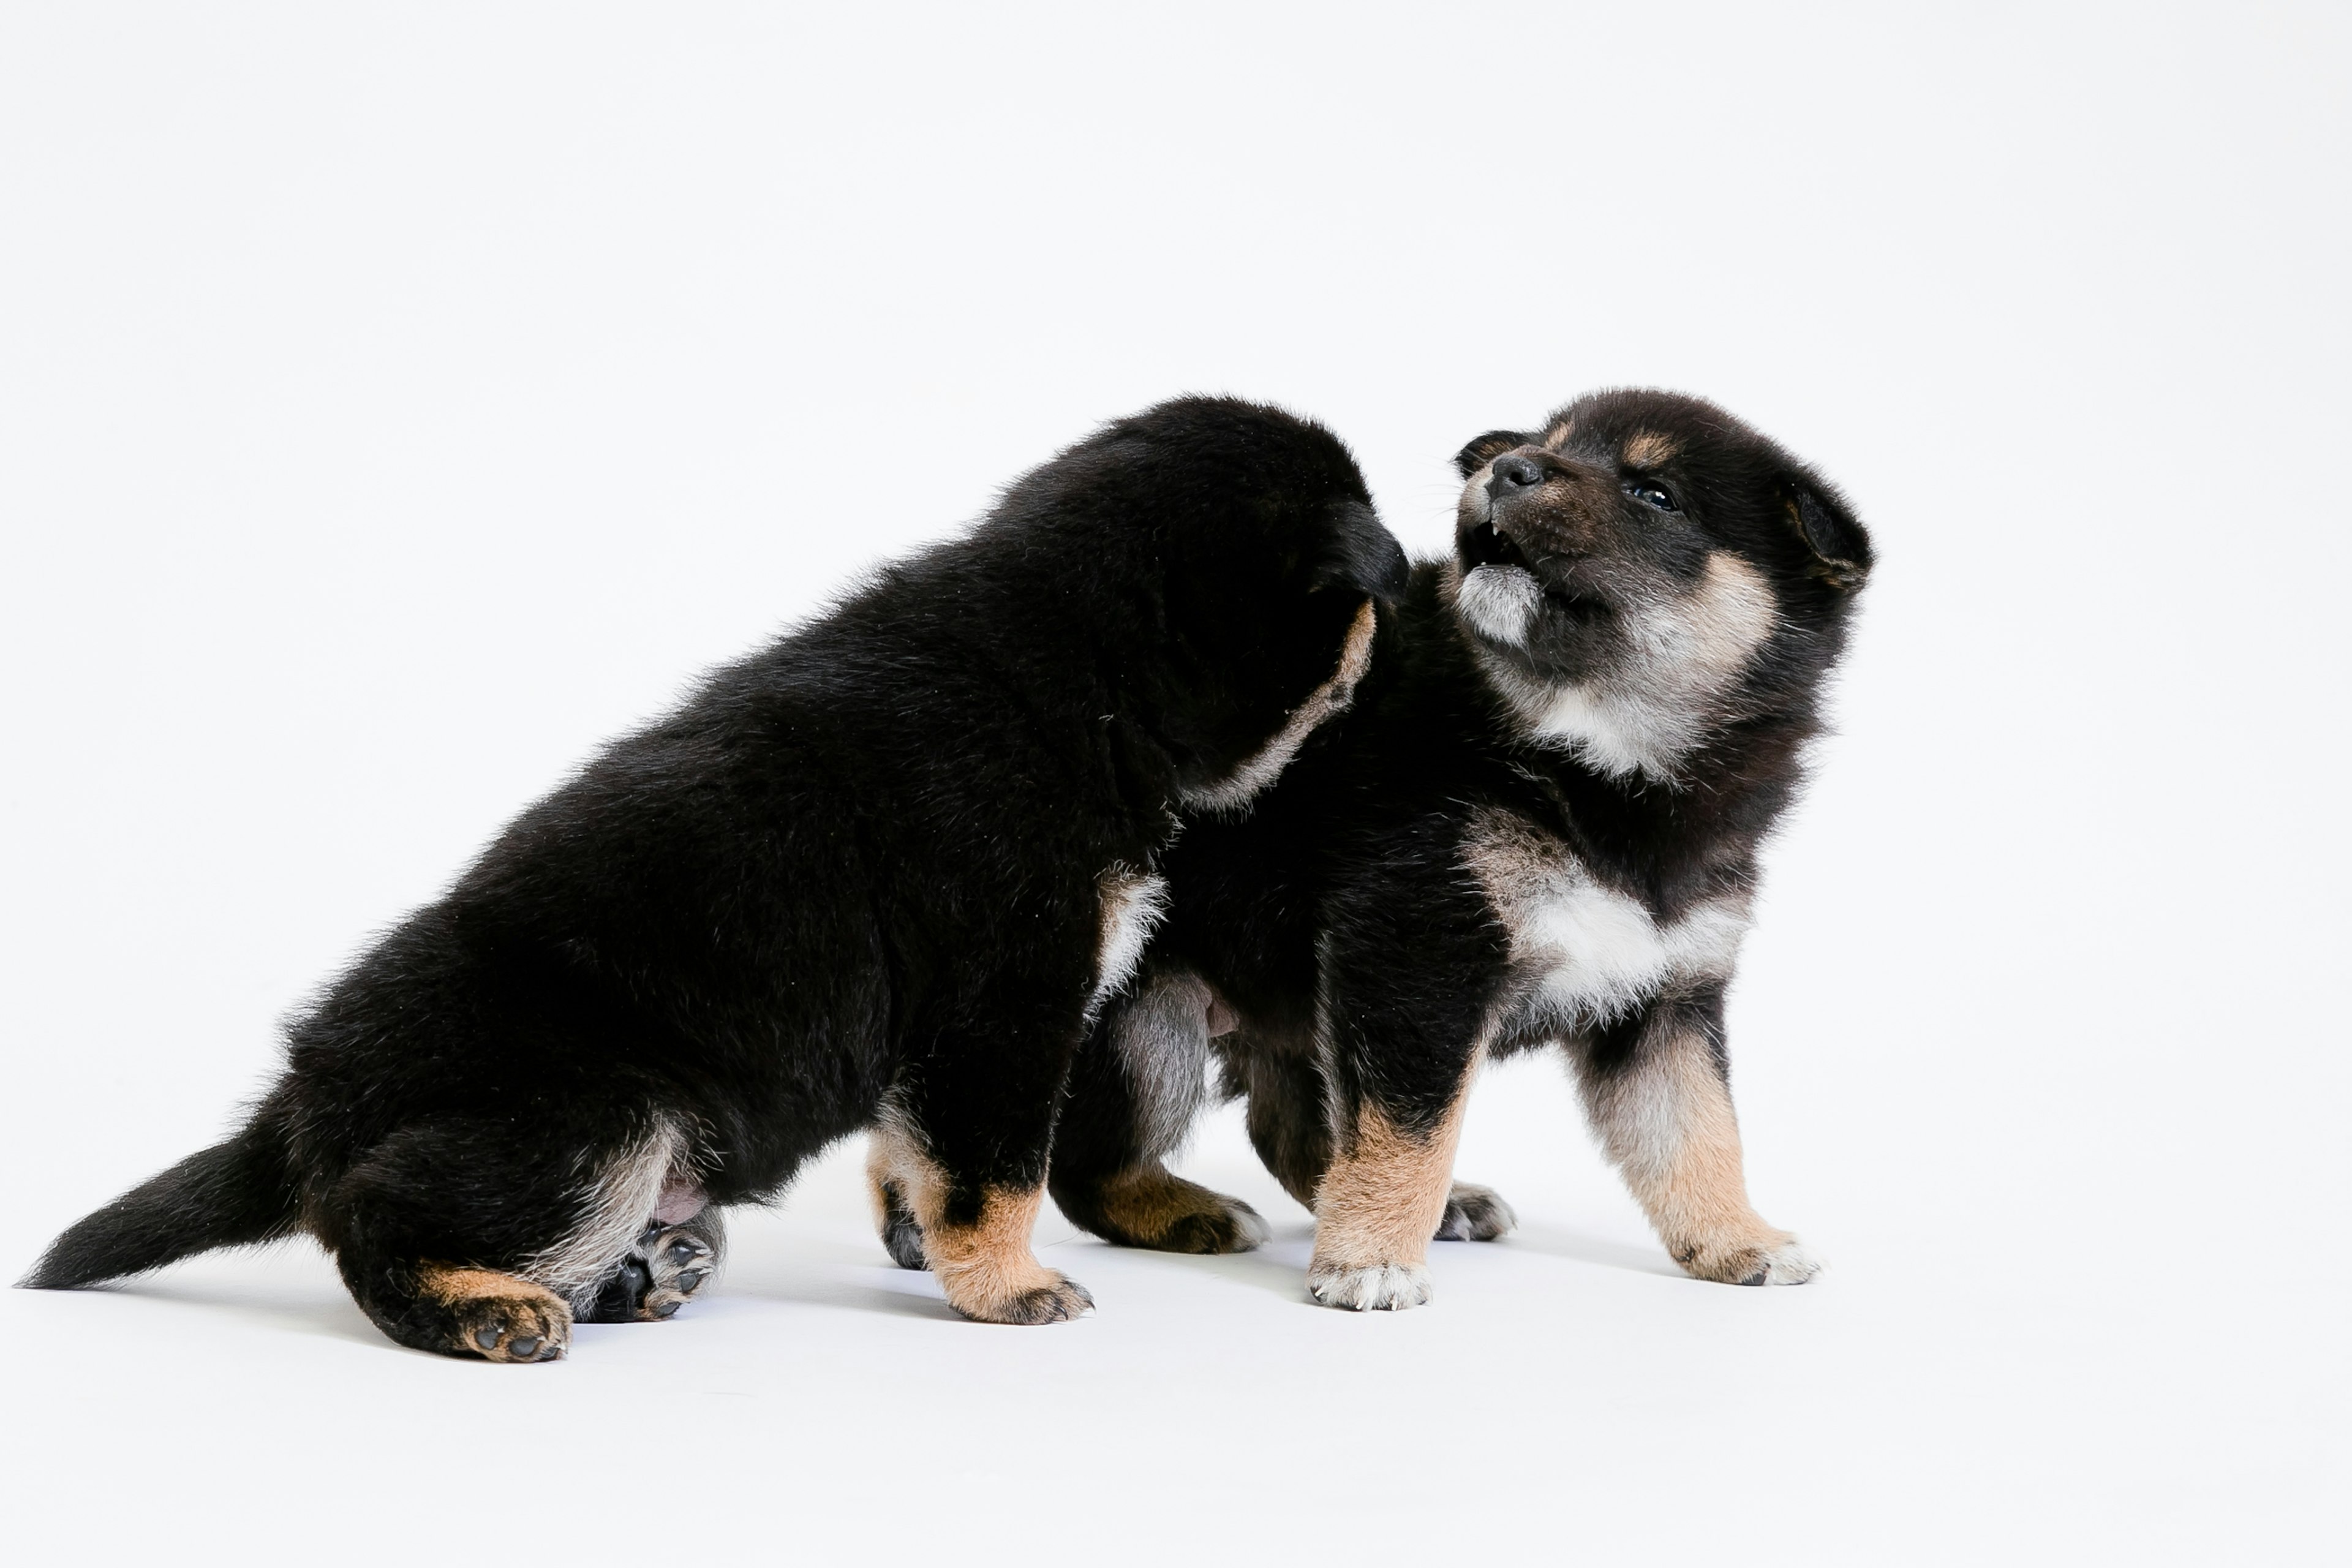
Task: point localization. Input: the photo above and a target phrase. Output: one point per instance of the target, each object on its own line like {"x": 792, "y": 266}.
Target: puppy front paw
{"x": 1376, "y": 1288}
{"x": 1474, "y": 1213}
{"x": 1058, "y": 1299}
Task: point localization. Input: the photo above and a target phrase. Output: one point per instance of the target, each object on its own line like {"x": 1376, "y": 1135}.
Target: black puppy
{"x": 1539, "y": 823}
{"x": 878, "y": 875}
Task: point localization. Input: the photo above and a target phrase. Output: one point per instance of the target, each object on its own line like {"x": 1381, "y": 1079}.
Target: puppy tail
{"x": 230, "y": 1195}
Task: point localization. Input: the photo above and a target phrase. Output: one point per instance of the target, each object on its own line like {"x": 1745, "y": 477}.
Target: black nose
{"x": 1516, "y": 474}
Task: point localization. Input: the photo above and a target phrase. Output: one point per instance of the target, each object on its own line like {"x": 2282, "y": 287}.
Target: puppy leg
{"x": 1659, "y": 1095}
{"x": 1380, "y": 1204}
{"x": 959, "y": 1147}
{"x": 1286, "y": 1125}
{"x": 1135, "y": 1089}
{"x": 975, "y": 1236}
{"x": 1285, "y": 1114}
{"x": 484, "y": 1237}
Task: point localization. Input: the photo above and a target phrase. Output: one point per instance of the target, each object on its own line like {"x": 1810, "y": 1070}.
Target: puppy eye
{"x": 1650, "y": 494}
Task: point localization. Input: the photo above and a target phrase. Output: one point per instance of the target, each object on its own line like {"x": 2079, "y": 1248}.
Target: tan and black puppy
{"x": 877, "y": 876}
{"x": 1539, "y": 827}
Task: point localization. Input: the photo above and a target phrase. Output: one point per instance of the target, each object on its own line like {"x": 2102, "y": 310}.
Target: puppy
{"x": 879, "y": 876}
{"x": 1538, "y": 825}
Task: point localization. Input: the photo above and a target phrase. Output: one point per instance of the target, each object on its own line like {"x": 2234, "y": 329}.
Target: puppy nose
{"x": 1516, "y": 474}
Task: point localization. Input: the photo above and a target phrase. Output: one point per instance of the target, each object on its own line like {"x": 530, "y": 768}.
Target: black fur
{"x": 1351, "y": 881}
{"x": 865, "y": 861}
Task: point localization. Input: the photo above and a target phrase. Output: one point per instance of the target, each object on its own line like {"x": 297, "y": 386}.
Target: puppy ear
{"x": 1841, "y": 546}
{"x": 1487, "y": 448}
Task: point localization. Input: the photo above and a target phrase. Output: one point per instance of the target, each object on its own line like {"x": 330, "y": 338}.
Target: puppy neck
{"x": 1673, "y": 685}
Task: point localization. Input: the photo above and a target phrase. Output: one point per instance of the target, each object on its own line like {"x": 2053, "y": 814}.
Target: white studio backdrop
{"x": 397, "y": 401}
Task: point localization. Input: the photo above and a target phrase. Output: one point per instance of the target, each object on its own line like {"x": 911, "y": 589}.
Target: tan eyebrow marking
{"x": 1560, "y": 435}
{"x": 1648, "y": 449}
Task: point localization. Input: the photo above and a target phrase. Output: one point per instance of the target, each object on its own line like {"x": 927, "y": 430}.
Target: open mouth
{"x": 1486, "y": 545}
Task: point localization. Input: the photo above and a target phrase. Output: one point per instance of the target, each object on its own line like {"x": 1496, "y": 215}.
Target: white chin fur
{"x": 1500, "y": 603}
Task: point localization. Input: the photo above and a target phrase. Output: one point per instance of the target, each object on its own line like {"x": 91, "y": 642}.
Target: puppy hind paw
{"x": 1380, "y": 1287}
{"x": 679, "y": 1263}
{"x": 1474, "y": 1213}
{"x": 1232, "y": 1226}
{"x": 661, "y": 1275}
{"x": 902, "y": 1238}
{"x": 499, "y": 1318}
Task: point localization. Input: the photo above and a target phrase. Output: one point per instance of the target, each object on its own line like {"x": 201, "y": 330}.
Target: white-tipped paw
{"x": 1789, "y": 1265}
{"x": 1381, "y": 1288}
{"x": 1474, "y": 1213}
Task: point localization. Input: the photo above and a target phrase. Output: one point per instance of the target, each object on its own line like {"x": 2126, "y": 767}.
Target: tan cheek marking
{"x": 983, "y": 1269}
{"x": 1670, "y": 1128}
{"x": 1648, "y": 449}
{"x": 1730, "y": 615}
{"x": 1380, "y": 1202}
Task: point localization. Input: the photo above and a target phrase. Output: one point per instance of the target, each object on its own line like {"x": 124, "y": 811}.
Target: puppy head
{"x": 1645, "y": 568}
{"x": 1266, "y": 556}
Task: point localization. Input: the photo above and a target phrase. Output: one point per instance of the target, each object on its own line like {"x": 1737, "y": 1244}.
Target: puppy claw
{"x": 1060, "y": 1301}
{"x": 1475, "y": 1214}
{"x": 1381, "y": 1288}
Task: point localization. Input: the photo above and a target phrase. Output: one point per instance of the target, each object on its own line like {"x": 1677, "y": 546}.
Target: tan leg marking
{"x": 498, "y": 1316}
{"x": 1379, "y": 1207}
{"x": 987, "y": 1269}
{"x": 1149, "y": 1206}
{"x": 1669, "y": 1126}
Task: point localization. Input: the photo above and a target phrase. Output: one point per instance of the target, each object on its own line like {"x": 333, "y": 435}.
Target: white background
{"x": 394, "y": 402}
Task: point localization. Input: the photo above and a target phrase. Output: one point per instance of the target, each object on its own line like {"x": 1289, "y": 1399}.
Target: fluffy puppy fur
{"x": 878, "y": 875}
{"x": 1538, "y": 825}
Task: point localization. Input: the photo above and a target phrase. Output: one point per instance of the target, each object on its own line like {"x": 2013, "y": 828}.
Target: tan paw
{"x": 1151, "y": 1208}
{"x": 499, "y": 1317}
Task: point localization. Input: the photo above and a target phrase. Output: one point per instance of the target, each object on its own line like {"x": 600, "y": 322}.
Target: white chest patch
{"x": 1133, "y": 903}
{"x": 1588, "y": 952}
